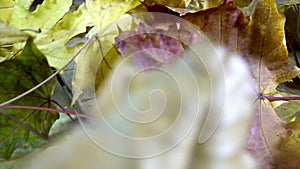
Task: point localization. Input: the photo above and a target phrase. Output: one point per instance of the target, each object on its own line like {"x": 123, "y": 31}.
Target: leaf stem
{"x": 45, "y": 109}
{"x": 274, "y": 98}
{"x": 52, "y": 76}
{"x": 62, "y": 108}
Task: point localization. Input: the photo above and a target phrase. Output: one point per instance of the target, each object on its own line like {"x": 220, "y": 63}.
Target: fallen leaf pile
{"x": 32, "y": 40}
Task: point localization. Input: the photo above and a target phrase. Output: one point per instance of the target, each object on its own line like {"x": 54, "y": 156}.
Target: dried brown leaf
{"x": 259, "y": 39}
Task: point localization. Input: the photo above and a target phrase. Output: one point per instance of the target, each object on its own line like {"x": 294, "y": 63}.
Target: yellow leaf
{"x": 87, "y": 66}
{"x": 175, "y": 4}
{"x": 106, "y": 65}
{"x": 44, "y": 17}
{"x": 104, "y": 12}
{"x": 212, "y": 3}
{"x": 268, "y": 50}
{"x": 6, "y": 7}
{"x": 56, "y": 38}
{"x": 98, "y": 57}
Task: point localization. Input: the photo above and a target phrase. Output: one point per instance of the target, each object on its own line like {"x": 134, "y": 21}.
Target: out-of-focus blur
{"x": 160, "y": 119}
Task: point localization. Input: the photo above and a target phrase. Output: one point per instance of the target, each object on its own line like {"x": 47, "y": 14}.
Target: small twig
{"x": 32, "y": 30}
{"x": 56, "y": 103}
{"x": 45, "y": 109}
{"x": 50, "y": 77}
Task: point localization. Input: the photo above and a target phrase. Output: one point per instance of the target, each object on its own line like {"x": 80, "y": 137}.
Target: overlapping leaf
{"x": 69, "y": 26}
{"x": 268, "y": 49}
{"x": 271, "y": 65}
{"x": 8, "y": 36}
{"x": 56, "y": 25}
{"x": 105, "y": 12}
{"x": 177, "y": 4}
{"x": 111, "y": 57}
{"x": 96, "y": 60}
{"x": 25, "y": 128}
{"x": 44, "y": 17}
{"x": 267, "y": 58}
{"x": 254, "y": 39}
{"x": 260, "y": 41}
{"x": 166, "y": 50}
{"x": 102, "y": 13}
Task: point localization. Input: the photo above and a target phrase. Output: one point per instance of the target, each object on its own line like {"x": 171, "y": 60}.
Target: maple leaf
{"x": 44, "y": 17}
{"x": 272, "y": 68}
{"x": 25, "y": 128}
{"x": 267, "y": 58}
{"x": 123, "y": 106}
{"x": 269, "y": 50}
{"x": 254, "y": 39}
{"x": 72, "y": 24}
{"x": 266, "y": 132}
{"x": 54, "y": 26}
{"x": 103, "y": 14}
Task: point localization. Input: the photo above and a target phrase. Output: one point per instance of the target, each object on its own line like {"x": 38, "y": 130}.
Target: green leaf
{"x": 24, "y": 129}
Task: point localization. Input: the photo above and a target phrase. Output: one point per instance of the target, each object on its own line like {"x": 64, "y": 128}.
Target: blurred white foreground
{"x": 224, "y": 150}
